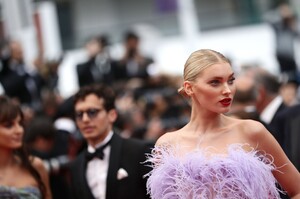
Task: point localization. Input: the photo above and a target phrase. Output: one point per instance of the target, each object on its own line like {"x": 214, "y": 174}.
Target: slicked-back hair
{"x": 200, "y": 60}
{"x": 197, "y": 62}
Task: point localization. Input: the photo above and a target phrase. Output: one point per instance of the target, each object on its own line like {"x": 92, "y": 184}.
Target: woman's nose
{"x": 19, "y": 129}
{"x": 226, "y": 89}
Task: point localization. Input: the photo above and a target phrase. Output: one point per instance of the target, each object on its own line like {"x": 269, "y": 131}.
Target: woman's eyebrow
{"x": 221, "y": 77}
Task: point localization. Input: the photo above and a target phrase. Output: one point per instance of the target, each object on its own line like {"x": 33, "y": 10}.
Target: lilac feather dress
{"x": 239, "y": 174}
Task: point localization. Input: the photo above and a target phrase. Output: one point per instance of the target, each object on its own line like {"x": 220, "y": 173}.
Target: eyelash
{"x": 216, "y": 82}
{"x": 8, "y": 125}
{"x": 231, "y": 80}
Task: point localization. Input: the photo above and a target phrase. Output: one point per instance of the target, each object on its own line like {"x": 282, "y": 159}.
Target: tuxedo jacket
{"x": 272, "y": 126}
{"x": 288, "y": 124}
{"x": 128, "y": 154}
{"x": 15, "y": 86}
{"x": 87, "y": 72}
{"x": 121, "y": 73}
{"x": 278, "y": 135}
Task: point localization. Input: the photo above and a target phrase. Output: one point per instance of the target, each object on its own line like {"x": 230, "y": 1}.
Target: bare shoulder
{"x": 251, "y": 130}
{"x": 251, "y": 127}
{"x": 166, "y": 139}
{"x": 38, "y": 164}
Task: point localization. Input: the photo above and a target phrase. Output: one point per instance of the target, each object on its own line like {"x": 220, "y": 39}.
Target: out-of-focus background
{"x": 169, "y": 30}
{"x": 49, "y": 49}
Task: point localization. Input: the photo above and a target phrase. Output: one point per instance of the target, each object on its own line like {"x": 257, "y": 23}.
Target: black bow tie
{"x": 98, "y": 153}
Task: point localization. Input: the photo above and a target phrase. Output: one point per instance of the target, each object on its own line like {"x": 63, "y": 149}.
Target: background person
{"x": 21, "y": 176}
{"x": 117, "y": 170}
{"x": 98, "y": 67}
{"x": 133, "y": 64}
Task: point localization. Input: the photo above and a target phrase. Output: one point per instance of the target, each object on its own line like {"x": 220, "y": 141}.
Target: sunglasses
{"x": 91, "y": 113}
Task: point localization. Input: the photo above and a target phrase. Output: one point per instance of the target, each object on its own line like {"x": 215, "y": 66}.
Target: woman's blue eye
{"x": 231, "y": 80}
{"x": 214, "y": 82}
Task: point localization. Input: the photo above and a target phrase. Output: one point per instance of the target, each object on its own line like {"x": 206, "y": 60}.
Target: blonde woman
{"x": 214, "y": 155}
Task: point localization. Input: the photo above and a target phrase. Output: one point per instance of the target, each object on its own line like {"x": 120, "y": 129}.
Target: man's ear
{"x": 261, "y": 94}
{"x": 112, "y": 115}
{"x": 188, "y": 88}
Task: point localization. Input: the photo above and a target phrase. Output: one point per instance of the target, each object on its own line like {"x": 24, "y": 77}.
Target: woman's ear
{"x": 188, "y": 88}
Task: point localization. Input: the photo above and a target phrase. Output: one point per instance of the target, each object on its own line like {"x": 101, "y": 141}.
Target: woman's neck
{"x": 204, "y": 121}
{"x": 6, "y": 158}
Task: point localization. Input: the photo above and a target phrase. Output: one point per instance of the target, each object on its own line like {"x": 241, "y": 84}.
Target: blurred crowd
{"x": 148, "y": 105}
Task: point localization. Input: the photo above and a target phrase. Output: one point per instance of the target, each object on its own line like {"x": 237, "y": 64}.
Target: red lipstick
{"x": 226, "y": 101}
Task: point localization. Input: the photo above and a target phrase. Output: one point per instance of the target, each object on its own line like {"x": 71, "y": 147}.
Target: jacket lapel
{"x": 114, "y": 164}
{"x": 83, "y": 182}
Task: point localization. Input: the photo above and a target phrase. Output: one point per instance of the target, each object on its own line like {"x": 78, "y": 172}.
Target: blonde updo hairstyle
{"x": 197, "y": 62}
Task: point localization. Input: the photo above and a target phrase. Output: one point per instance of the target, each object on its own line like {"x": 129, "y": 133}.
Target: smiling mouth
{"x": 17, "y": 139}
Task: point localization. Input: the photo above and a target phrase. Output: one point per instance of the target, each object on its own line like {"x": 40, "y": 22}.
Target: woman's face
{"x": 214, "y": 88}
{"x": 11, "y": 134}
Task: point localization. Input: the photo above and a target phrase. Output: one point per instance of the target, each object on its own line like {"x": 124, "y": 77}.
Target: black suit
{"x": 288, "y": 124}
{"x": 125, "y": 153}
{"x": 272, "y": 126}
{"x": 17, "y": 83}
{"x": 122, "y": 69}
{"x": 94, "y": 71}
{"x": 278, "y": 135}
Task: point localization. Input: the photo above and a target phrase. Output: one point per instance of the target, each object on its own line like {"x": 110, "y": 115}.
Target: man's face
{"x": 93, "y": 48}
{"x": 93, "y": 121}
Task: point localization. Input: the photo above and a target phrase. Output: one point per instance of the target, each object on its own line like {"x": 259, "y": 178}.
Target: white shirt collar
{"x": 270, "y": 110}
{"x": 97, "y": 180}
{"x": 92, "y": 149}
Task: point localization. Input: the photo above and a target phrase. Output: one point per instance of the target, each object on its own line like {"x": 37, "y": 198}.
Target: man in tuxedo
{"x": 288, "y": 123}
{"x": 133, "y": 64}
{"x": 98, "y": 67}
{"x": 15, "y": 79}
{"x": 269, "y": 102}
{"x": 111, "y": 167}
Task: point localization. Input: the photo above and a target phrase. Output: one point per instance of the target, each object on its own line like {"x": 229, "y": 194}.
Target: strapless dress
{"x": 236, "y": 174}
{"x": 28, "y": 192}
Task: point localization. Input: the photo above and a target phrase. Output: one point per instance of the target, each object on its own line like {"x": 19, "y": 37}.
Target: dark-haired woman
{"x": 21, "y": 176}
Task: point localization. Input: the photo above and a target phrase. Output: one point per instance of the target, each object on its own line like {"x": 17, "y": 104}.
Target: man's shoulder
{"x": 293, "y": 110}
{"x": 135, "y": 143}
{"x": 83, "y": 65}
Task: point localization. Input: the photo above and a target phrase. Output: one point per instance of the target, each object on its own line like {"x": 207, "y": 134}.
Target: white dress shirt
{"x": 97, "y": 169}
{"x": 270, "y": 110}
{"x": 2, "y": 91}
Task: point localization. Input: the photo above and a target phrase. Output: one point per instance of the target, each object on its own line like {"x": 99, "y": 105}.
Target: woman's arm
{"x": 39, "y": 166}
